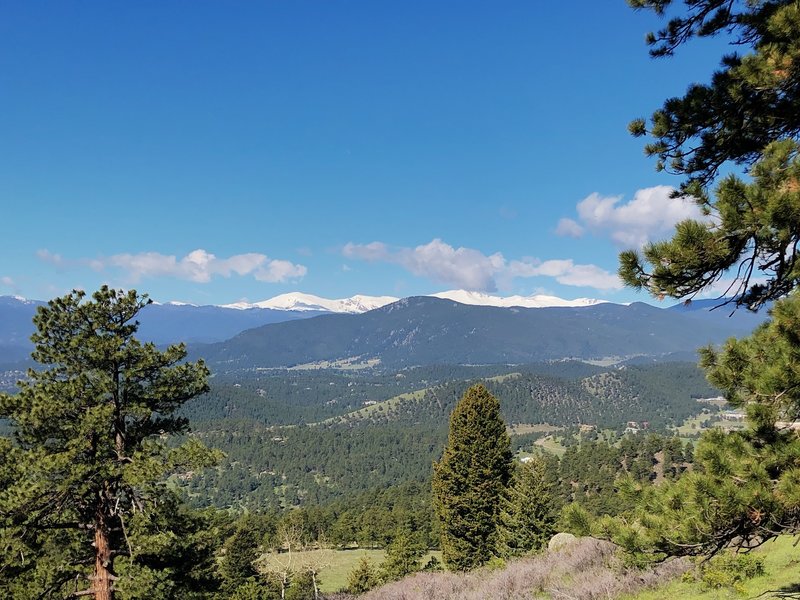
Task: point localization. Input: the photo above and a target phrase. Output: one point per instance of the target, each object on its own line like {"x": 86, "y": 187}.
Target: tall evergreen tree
{"x": 88, "y": 456}
{"x": 469, "y": 480}
{"x": 528, "y": 515}
{"x": 241, "y": 552}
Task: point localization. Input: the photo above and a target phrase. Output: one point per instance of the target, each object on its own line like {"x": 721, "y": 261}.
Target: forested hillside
{"x": 298, "y": 438}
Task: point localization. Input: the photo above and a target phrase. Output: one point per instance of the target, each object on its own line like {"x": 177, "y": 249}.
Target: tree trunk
{"x": 103, "y": 575}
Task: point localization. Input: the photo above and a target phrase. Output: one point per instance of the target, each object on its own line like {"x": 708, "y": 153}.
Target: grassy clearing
{"x": 502, "y": 378}
{"x": 372, "y": 409}
{"x": 686, "y": 429}
{"x": 525, "y": 428}
{"x": 336, "y": 565}
{"x": 782, "y": 579}
{"x": 551, "y": 444}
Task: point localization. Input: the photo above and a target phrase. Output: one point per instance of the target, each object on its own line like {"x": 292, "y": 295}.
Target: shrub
{"x": 363, "y": 578}
{"x": 731, "y": 569}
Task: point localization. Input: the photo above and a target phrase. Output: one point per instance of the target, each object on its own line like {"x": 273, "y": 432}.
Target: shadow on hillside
{"x": 787, "y": 591}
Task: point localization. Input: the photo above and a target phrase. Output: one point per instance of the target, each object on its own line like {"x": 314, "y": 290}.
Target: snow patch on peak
{"x": 18, "y": 299}
{"x": 533, "y": 301}
{"x": 299, "y": 301}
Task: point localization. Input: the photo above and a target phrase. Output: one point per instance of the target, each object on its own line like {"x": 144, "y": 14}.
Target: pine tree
{"x": 402, "y": 556}
{"x": 469, "y": 480}
{"x": 751, "y": 101}
{"x": 241, "y": 551}
{"x": 528, "y": 515}
{"x": 745, "y": 487}
{"x": 88, "y": 456}
{"x": 749, "y": 114}
{"x": 363, "y": 578}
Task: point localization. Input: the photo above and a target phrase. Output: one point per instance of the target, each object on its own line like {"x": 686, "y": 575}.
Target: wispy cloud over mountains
{"x": 198, "y": 266}
{"x": 470, "y": 269}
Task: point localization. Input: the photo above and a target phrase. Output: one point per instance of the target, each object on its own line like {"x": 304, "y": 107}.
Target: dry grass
{"x": 585, "y": 570}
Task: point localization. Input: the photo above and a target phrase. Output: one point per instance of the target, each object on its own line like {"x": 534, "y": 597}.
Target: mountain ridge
{"x": 424, "y": 330}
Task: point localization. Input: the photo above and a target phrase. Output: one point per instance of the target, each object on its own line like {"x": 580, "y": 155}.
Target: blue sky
{"x": 216, "y": 151}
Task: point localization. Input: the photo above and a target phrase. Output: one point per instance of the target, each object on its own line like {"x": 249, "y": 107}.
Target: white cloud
{"x": 651, "y": 214}
{"x": 470, "y": 269}
{"x": 277, "y": 271}
{"x": 569, "y": 228}
{"x": 8, "y": 282}
{"x": 461, "y": 267}
{"x": 199, "y": 266}
{"x": 49, "y": 257}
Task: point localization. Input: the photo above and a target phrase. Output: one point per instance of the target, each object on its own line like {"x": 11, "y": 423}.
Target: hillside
{"x": 294, "y": 438}
{"x": 424, "y": 330}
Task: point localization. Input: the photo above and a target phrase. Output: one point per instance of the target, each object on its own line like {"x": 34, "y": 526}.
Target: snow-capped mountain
{"x": 298, "y": 301}
{"x": 534, "y": 301}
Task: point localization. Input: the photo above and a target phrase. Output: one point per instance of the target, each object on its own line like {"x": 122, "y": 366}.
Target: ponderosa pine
{"x": 745, "y": 488}
{"x": 748, "y": 115}
{"x": 83, "y": 489}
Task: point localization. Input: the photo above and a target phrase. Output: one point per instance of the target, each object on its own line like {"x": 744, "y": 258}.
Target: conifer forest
{"x": 447, "y": 446}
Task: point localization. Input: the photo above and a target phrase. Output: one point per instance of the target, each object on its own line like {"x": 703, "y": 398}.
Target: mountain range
{"x": 425, "y": 330}
{"x": 453, "y": 327}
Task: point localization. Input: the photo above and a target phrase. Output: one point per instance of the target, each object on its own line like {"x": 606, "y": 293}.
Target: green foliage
{"x": 576, "y": 520}
{"x": 83, "y": 477}
{"x": 761, "y": 373}
{"x": 756, "y": 232}
{"x": 528, "y": 515}
{"x": 254, "y": 589}
{"x": 751, "y": 101}
{"x": 402, "y": 556}
{"x": 730, "y": 569}
{"x": 363, "y": 578}
{"x": 469, "y": 480}
{"x": 304, "y": 586}
{"x": 748, "y": 114}
{"x": 241, "y": 551}
{"x": 746, "y": 485}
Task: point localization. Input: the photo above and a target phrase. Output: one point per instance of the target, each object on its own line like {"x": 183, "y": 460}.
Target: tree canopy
{"x": 83, "y": 508}
{"x": 745, "y": 488}
{"x": 749, "y": 115}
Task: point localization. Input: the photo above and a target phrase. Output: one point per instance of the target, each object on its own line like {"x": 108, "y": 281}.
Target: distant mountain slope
{"x": 16, "y": 327}
{"x": 711, "y": 310}
{"x": 425, "y": 330}
{"x": 160, "y": 323}
{"x": 170, "y": 323}
{"x": 663, "y": 394}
